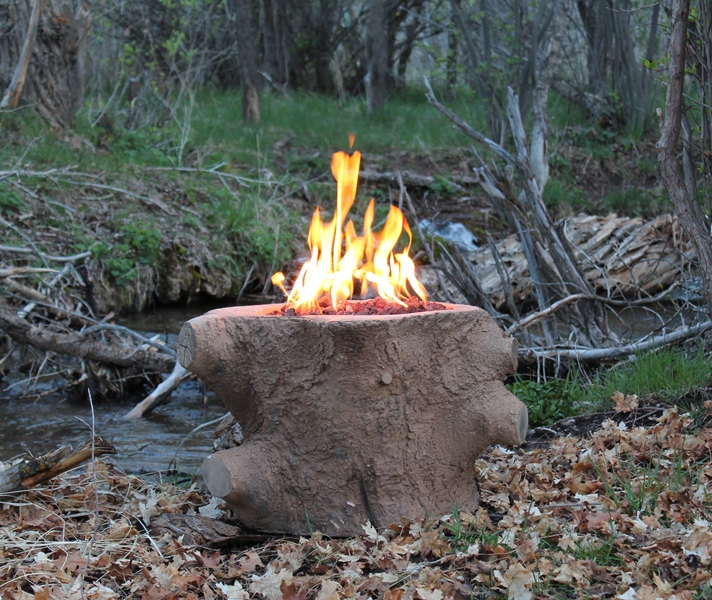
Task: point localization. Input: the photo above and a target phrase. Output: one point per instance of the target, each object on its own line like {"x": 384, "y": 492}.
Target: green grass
{"x": 638, "y": 202}
{"x": 561, "y": 198}
{"x": 407, "y": 123}
{"x": 667, "y": 372}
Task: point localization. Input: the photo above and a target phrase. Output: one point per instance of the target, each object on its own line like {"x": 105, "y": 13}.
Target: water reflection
{"x": 144, "y": 446}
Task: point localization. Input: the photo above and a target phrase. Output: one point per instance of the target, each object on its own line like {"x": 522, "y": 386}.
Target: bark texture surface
{"x": 353, "y": 419}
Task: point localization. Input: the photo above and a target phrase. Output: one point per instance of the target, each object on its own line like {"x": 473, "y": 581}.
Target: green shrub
{"x": 550, "y": 400}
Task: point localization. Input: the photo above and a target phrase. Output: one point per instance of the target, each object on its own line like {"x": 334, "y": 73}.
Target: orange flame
{"x": 340, "y": 257}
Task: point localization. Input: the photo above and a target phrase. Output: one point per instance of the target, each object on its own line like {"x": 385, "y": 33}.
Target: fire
{"x": 340, "y": 257}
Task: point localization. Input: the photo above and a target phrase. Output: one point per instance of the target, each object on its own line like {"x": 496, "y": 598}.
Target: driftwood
{"x": 349, "y": 419}
{"x": 25, "y": 473}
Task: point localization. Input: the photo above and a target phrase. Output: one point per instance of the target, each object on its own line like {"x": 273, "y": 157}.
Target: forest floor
{"x": 621, "y": 512}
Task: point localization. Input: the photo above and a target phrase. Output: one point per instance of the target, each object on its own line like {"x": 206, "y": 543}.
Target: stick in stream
{"x": 161, "y": 394}
{"x": 29, "y": 472}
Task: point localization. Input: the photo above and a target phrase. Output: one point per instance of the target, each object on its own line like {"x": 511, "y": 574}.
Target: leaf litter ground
{"x": 624, "y": 512}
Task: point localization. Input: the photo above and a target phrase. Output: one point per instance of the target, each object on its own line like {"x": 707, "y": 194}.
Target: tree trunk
{"x": 377, "y": 78}
{"x": 687, "y": 206}
{"x": 54, "y": 80}
{"x": 247, "y": 42}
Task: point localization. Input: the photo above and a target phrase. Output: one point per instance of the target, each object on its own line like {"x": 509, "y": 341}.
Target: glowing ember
{"x": 340, "y": 257}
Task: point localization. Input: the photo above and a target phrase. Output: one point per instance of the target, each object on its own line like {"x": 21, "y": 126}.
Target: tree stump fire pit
{"x": 348, "y": 418}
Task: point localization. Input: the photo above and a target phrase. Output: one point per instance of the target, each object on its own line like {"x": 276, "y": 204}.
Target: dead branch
{"x": 687, "y": 205}
{"x": 465, "y": 127}
{"x": 599, "y": 354}
{"x": 60, "y": 259}
{"x": 26, "y": 473}
{"x": 78, "y": 345}
{"x": 161, "y": 395}
{"x": 14, "y": 90}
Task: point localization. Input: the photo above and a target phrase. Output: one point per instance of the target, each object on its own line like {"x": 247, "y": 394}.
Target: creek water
{"x": 157, "y": 443}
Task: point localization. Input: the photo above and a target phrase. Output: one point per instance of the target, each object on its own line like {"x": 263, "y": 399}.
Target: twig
{"x": 124, "y": 192}
{"x": 173, "y": 462}
{"x": 243, "y": 181}
{"x": 538, "y": 316}
{"x": 426, "y": 245}
{"x": 22, "y": 270}
{"x": 618, "y": 351}
{"x": 43, "y": 255}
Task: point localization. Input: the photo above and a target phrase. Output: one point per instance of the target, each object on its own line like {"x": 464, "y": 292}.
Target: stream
{"x": 146, "y": 446}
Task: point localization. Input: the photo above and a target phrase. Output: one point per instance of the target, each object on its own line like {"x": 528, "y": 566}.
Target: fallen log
{"x": 398, "y": 178}
{"x": 81, "y": 346}
{"x": 25, "y": 473}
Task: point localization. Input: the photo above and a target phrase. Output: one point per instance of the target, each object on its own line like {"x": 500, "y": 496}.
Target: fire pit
{"x": 353, "y": 412}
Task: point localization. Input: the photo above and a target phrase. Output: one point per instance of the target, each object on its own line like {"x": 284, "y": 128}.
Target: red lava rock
{"x": 375, "y": 306}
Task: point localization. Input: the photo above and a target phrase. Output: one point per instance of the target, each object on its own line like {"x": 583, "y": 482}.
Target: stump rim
{"x": 263, "y": 310}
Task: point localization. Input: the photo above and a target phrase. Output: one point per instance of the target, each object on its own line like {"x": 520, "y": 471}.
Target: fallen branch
{"x": 161, "y": 394}
{"x": 76, "y": 344}
{"x": 22, "y": 250}
{"x": 595, "y": 354}
{"x": 25, "y": 473}
{"x": 416, "y": 180}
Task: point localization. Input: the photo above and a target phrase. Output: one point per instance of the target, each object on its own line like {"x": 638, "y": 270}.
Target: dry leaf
{"x": 625, "y": 403}
{"x": 329, "y": 590}
{"x": 289, "y": 592}
{"x": 519, "y": 579}
{"x": 250, "y": 561}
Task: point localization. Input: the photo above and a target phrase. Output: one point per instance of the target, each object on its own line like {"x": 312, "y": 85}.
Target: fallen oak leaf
{"x": 329, "y": 590}
{"x": 597, "y": 521}
{"x": 250, "y": 561}
{"x": 519, "y": 580}
{"x": 234, "y": 591}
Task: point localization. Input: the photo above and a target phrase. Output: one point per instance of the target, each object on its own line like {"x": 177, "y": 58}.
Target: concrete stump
{"x": 348, "y": 419}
